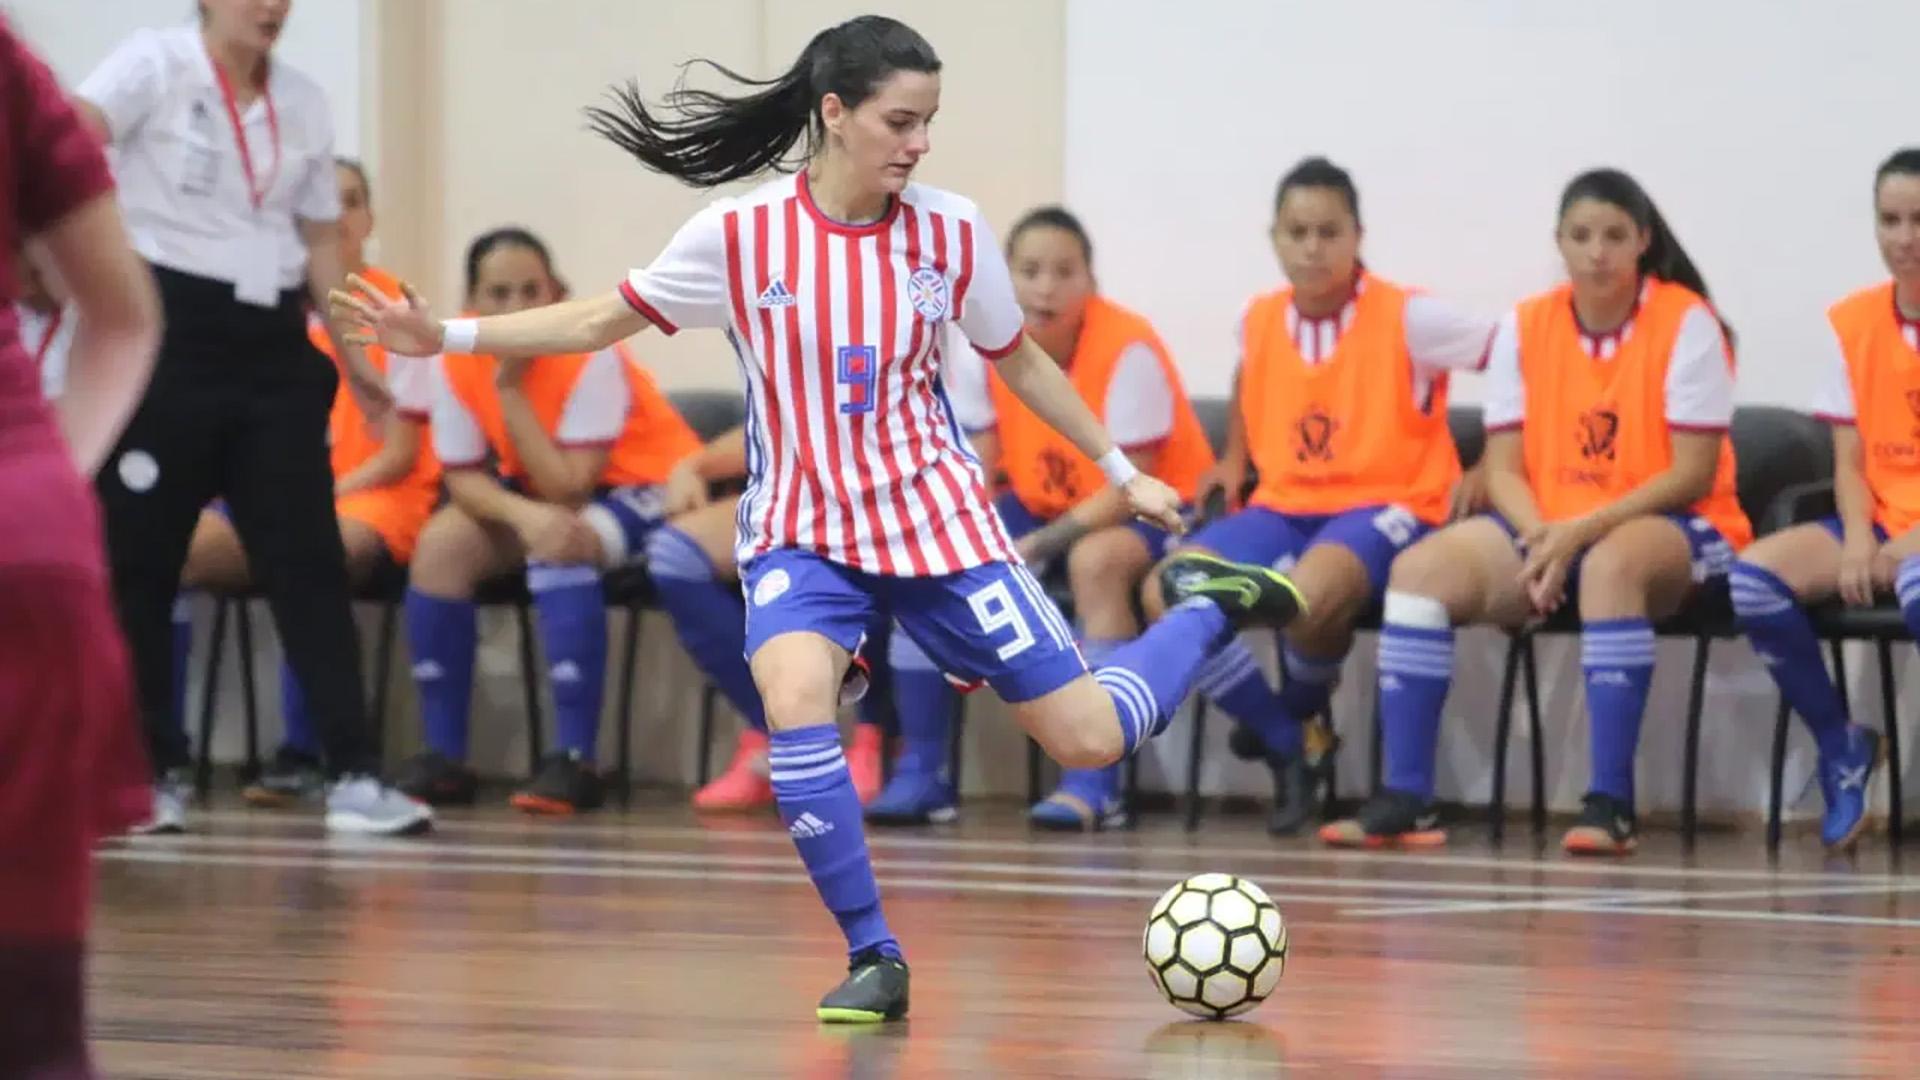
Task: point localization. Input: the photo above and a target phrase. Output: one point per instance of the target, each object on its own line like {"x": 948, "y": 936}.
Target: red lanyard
{"x": 256, "y": 190}
{"x": 46, "y": 342}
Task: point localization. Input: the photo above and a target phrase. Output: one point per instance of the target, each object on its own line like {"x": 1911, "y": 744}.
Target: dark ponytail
{"x": 706, "y": 139}
{"x": 507, "y": 236}
{"x": 1664, "y": 258}
{"x": 1318, "y": 172}
{"x": 1903, "y": 162}
{"x": 1054, "y": 217}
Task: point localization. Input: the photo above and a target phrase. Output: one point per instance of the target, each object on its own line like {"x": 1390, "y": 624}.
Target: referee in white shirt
{"x": 224, "y": 158}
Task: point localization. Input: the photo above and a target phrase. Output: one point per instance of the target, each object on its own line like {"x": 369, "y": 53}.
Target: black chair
{"x": 1883, "y": 624}
{"x": 386, "y": 588}
{"x": 1775, "y": 449}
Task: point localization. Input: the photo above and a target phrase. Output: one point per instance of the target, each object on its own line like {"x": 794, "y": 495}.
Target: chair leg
{"x": 1502, "y": 735}
{"x": 623, "y": 715}
{"x": 1536, "y": 738}
{"x": 1194, "y": 749}
{"x": 249, "y": 690}
{"x": 1890, "y": 719}
{"x": 1837, "y": 648}
{"x": 383, "y": 674}
{"x": 209, "y": 697}
{"x": 530, "y": 686}
{"x": 703, "y": 758}
{"x": 1035, "y": 763}
{"x": 1776, "y": 776}
{"x": 956, "y": 741}
{"x": 1696, "y": 703}
{"x": 1377, "y": 758}
{"x": 1332, "y": 793}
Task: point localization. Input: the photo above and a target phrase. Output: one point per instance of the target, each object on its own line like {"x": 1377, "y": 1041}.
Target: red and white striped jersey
{"x": 853, "y": 451}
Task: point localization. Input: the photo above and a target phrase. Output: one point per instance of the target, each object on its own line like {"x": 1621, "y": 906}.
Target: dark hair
{"x": 353, "y": 166}
{"x": 1664, "y": 257}
{"x": 714, "y": 138}
{"x": 1053, "y": 217}
{"x": 1318, "y": 172}
{"x": 1903, "y": 162}
{"x": 507, "y": 236}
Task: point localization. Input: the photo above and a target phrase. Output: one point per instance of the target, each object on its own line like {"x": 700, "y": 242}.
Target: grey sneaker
{"x": 362, "y": 804}
{"x": 171, "y": 790}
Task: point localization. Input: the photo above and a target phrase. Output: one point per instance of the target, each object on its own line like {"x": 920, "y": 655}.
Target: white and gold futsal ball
{"x": 1215, "y": 945}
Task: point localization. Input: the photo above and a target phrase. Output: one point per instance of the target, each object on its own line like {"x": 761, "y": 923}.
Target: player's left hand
{"x": 1551, "y": 550}
{"x": 1152, "y": 501}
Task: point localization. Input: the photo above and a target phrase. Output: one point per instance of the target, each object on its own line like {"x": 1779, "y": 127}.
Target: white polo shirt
{"x": 182, "y": 186}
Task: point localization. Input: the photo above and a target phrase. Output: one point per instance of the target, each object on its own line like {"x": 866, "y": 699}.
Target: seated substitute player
{"x": 1058, "y": 508}
{"x": 1611, "y": 478}
{"x": 553, "y": 459}
{"x": 834, "y": 287}
{"x": 386, "y": 482}
{"x": 690, "y": 560}
{"x": 1341, "y": 406}
{"x": 1870, "y": 396}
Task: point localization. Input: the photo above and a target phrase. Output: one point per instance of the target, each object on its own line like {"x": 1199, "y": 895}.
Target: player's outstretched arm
{"x": 407, "y": 327}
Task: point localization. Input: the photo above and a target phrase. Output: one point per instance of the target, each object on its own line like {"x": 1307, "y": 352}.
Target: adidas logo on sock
{"x": 1609, "y": 678}
{"x": 565, "y": 671}
{"x": 427, "y": 670}
{"x": 807, "y": 827}
{"x": 1391, "y": 682}
{"x": 775, "y": 295}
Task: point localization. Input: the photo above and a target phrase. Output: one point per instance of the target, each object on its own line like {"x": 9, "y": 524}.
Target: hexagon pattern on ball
{"x": 1215, "y": 945}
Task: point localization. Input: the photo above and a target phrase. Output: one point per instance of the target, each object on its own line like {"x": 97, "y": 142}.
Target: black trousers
{"x": 237, "y": 408}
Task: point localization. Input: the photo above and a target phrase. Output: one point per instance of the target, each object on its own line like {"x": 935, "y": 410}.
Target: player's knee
{"x": 449, "y": 556}
{"x": 798, "y": 700}
{"x": 1089, "y": 745}
{"x": 1425, "y": 569}
{"x": 1612, "y": 567}
{"x": 1100, "y": 563}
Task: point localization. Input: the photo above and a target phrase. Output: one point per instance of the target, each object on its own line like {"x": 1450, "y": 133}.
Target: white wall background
{"x": 322, "y": 38}
{"x": 1755, "y": 125}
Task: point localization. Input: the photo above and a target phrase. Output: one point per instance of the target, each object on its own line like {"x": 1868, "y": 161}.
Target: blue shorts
{"x": 1708, "y": 551}
{"x": 1839, "y": 529}
{"x": 1375, "y": 534}
{"x": 992, "y": 623}
{"x": 1020, "y": 521}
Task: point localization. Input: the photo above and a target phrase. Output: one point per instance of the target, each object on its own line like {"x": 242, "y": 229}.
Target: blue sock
{"x": 1149, "y": 677}
{"x": 1617, "y": 655}
{"x": 182, "y": 653}
{"x": 1783, "y": 638}
{"x": 1307, "y": 691}
{"x": 442, "y": 635}
{"x": 573, "y": 631}
{"x": 1906, "y": 582}
{"x": 1416, "y": 671}
{"x": 822, "y": 812}
{"x": 298, "y": 732}
{"x": 925, "y": 704}
{"x": 1233, "y": 681}
{"x": 709, "y": 617}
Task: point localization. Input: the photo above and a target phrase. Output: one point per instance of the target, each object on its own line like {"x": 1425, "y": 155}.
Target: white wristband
{"x": 1118, "y": 469}
{"x": 459, "y": 335}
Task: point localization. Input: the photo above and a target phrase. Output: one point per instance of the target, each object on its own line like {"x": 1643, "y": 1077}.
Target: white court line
{"x": 1629, "y": 899}
{"x": 544, "y": 853}
{"x": 155, "y": 854}
{"x": 1688, "y": 913}
{"x": 882, "y": 841}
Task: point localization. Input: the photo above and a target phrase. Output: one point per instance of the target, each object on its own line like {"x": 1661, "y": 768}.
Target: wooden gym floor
{"x": 656, "y": 944}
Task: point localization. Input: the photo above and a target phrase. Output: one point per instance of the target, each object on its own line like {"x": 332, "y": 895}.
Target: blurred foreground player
{"x": 70, "y": 763}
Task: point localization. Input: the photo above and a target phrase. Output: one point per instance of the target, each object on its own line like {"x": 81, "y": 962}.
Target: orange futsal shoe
{"x": 745, "y": 785}
{"x": 1391, "y": 819}
{"x": 1606, "y": 827}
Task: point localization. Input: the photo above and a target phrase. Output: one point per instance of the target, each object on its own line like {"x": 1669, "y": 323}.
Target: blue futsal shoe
{"x": 915, "y": 798}
{"x": 1843, "y": 780}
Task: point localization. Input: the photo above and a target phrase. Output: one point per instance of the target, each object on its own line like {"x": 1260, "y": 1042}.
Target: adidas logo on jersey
{"x": 775, "y": 295}
{"x": 808, "y": 827}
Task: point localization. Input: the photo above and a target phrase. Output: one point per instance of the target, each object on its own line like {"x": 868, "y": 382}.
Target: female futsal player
{"x": 1058, "y": 506}
{"x": 1341, "y": 404}
{"x": 1611, "y": 479}
{"x": 1870, "y": 395}
{"x": 553, "y": 459}
{"x": 833, "y": 286}
{"x": 385, "y": 483}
